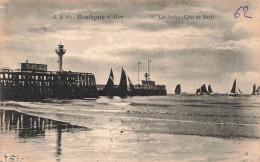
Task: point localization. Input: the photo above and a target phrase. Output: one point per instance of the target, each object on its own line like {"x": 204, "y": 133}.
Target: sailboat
{"x": 254, "y": 90}
{"x": 210, "y": 89}
{"x": 197, "y": 90}
{"x": 122, "y": 89}
{"x": 126, "y": 87}
{"x": 178, "y": 89}
{"x": 109, "y": 89}
{"x": 203, "y": 90}
{"x": 258, "y": 90}
{"x": 235, "y": 91}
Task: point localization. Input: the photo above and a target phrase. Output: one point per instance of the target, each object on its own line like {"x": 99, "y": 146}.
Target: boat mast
{"x": 149, "y": 69}
{"x": 138, "y": 72}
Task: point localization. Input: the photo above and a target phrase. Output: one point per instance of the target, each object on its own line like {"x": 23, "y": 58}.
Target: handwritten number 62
{"x": 245, "y": 9}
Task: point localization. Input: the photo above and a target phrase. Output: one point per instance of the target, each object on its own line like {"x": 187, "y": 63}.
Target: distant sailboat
{"x": 235, "y": 91}
{"x": 210, "y": 89}
{"x": 178, "y": 89}
{"x": 203, "y": 90}
{"x": 109, "y": 87}
{"x": 110, "y": 81}
{"x": 254, "y": 90}
{"x": 258, "y": 90}
{"x": 123, "y": 84}
{"x": 198, "y": 91}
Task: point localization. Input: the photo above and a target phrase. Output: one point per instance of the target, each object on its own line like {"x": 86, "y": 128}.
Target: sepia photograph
{"x": 130, "y": 81}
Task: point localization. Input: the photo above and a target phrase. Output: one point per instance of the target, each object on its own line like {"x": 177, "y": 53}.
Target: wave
{"x": 71, "y": 114}
{"x": 149, "y": 104}
{"x": 59, "y": 101}
{"x": 122, "y": 103}
{"x": 193, "y": 114}
{"x": 233, "y": 137}
{"x": 119, "y": 103}
{"x": 102, "y": 110}
{"x": 11, "y": 104}
{"x": 44, "y": 107}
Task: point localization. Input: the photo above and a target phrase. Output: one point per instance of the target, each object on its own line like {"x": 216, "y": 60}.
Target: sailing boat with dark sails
{"x": 117, "y": 90}
{"x": 210, "y": 89}
{"x": 122, "y": 89}
{"x": 109, "y": 89}
{"x": 235, "y": 91}
{"x": 126, "y": 87}
{"x": 254, "y": 90}
{"x": 257, "y": 90}
{"x": 198, "y": 91}
{"x": 203, "y": 90}
{"x": 178, "y": 90}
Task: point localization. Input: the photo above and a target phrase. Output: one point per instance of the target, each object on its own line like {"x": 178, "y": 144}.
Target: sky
{"x": 190, "y": 52}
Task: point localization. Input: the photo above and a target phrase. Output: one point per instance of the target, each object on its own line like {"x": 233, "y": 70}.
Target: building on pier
{"x": 34, "y": 82}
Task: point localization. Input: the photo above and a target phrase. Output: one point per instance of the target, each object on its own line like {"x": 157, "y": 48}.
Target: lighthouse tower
{"x": 60, "y": 52}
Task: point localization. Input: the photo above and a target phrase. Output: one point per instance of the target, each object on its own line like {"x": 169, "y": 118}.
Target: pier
{"x": 33, "y": 82}
{"x": 25, "y": 85}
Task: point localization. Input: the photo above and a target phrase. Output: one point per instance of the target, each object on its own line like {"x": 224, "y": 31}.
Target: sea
{"x": 140, "y": 128}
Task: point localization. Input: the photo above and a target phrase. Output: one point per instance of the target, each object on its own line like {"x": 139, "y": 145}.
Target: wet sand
{"x": 127, "y": 146}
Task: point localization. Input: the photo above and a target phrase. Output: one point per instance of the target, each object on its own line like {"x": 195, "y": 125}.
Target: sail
{"x": 254, "y": 89}
{"x": 110, "y": 81}
{"x": 111, "y": 74}
{"x": 131, "y": 84}
{"x": 123, "y": 82}
{"x": 178, "y": 89}
{"x": 234, "y": 87}
{"x": 203, "y": 89}
{"x": 258, "y": 90}
{"x": 210, "y": 89}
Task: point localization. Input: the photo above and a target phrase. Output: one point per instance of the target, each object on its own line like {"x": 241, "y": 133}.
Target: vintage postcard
{"x": 140, "y": 80}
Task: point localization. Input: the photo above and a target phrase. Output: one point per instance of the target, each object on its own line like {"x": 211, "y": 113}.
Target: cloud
{"x": 184, "y": 51}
